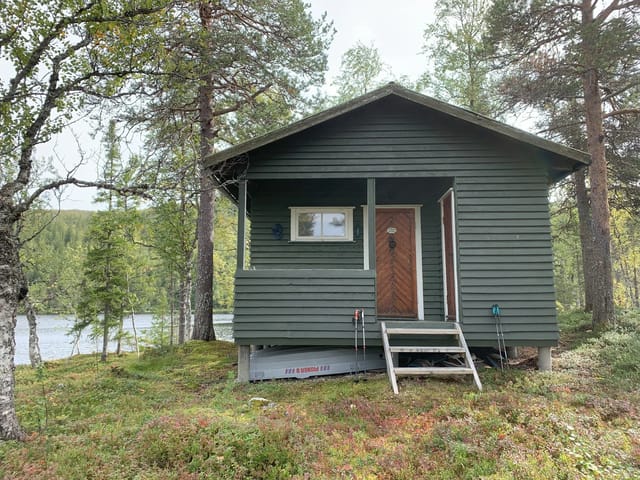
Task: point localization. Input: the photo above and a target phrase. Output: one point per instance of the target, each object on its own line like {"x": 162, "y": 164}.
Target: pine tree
{"x": 222, "y": 57}
{"x": 556, "y": 52}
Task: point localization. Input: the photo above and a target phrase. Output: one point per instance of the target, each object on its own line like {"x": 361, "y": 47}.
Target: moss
{"x": 180, "y": 414}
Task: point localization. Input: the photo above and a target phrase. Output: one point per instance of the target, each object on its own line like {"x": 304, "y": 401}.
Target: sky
{"x": 394, "y": 28}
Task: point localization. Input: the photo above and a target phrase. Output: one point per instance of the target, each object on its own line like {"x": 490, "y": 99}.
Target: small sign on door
{"x": 391, "y": 230}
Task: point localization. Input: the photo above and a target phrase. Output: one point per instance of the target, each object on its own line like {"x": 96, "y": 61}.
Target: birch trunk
{"x": 12, "y": 289}
{"x": 182, "y": 318}
{"x": 184, "y": 327}
{"x": 34, "y": 344}
{"x": 105, "y": 332}
{"x": 119, "y": 338}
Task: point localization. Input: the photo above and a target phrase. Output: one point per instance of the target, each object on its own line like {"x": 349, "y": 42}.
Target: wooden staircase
{"x": 406, "y": 329}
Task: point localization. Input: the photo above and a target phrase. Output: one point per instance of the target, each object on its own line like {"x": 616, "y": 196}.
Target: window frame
{"x": 348, "y": 224}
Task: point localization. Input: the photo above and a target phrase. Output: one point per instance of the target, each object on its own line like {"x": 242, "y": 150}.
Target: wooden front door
{"x": 396, "y": 263}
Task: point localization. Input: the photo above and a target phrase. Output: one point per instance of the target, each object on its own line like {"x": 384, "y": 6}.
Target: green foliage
{"x": 224, "y": 447}
{"x": 459, "y": 69}
{"x": 569, "y": 277}
{"x": 539, "y": 46}
{"x": 261, "y": 55}
{"x": 224, "y": 254}
{"x": 617, "y": 351}
{"x": 625, "y": 244}
{"x": 53, "y": 258}
{"x": 567, "y": 257}
{"x": 58, "y": 56}
{"x": 159, "y": 336}
{"x": 361, "y": 70}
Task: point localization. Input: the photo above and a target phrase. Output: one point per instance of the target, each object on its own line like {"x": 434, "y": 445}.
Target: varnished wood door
{"x": 396, "y": 263}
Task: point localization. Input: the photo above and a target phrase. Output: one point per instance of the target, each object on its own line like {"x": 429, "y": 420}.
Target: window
{"x": 326, "y": 224}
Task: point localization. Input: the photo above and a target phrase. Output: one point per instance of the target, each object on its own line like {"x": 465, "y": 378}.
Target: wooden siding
{"x": 504, "y": 257}
{"x": 303, "y": 307}
{"x": 432, "y": 262}
{"x": 503, "y": 232}
{"x": 270, "y": 206}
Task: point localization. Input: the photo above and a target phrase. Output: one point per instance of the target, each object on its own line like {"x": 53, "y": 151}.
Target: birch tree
{"x": 58, "y": 55}
{"x": 361, "y": 70}
{"x": 459, "y": 60}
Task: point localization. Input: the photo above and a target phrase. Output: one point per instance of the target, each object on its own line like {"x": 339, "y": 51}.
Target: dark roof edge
{"x": 395, "y": 89}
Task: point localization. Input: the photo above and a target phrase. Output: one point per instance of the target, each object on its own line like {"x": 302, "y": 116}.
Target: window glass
{"x": 322, "y": 224}
{"x": 333, "y": 224}
{"x": 309, "y": 224}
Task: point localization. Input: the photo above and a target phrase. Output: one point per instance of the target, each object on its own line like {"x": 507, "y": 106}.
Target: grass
{"x": 180, "y": 415}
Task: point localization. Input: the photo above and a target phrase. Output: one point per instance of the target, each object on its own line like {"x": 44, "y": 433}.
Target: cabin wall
{"x": 503, "y": 228}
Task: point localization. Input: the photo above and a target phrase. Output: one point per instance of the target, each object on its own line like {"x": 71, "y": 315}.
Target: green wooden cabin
{"x": 403, "y": 206}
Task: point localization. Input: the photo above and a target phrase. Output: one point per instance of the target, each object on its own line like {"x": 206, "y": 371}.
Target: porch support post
{"x": 242, "y": 215}
{"x": 371, "y": 221}
{"x": 244, "y": 351}
{"x": 544, "y": 359}
{"x": 244, "y": 355}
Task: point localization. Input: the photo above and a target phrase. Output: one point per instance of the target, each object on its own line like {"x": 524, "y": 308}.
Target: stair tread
{"x": 426, "y": 328}
{"x": 418, "y": 324}
{"x": 421, "y": 331}
{"x": 426, "y": 349}
{"x": 433, "y": 370}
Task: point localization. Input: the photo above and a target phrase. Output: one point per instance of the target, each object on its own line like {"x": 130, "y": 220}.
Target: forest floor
{"x": 180, "y": 415}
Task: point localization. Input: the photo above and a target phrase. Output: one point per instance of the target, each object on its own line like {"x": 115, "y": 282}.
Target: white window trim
{"x": 348, "y": 221}
{"x": 418, "y": 240}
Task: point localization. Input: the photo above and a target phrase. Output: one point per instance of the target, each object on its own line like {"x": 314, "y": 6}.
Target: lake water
{"x": 56, "y": 342}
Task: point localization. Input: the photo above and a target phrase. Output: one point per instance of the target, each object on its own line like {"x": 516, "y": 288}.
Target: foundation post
{"x": 512, "y": 352}
{"x": 244, "y": 355}
{"x": 544, "y": 359}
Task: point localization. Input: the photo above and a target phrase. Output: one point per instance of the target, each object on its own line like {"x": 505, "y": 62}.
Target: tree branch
{"x": 624, "y": 111}
{"x": 613, "y": 6}
{"x": 240, "y": 103}
{"x": 138, "y": 190}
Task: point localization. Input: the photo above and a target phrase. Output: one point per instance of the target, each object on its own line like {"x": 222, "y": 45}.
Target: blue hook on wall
{"x": 276, "y": 231}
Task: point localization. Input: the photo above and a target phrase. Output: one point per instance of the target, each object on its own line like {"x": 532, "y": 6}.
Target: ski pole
{"x": 495, "y": 309}
{"x": 355, "y": 332}
{"x": 364, "y": 342}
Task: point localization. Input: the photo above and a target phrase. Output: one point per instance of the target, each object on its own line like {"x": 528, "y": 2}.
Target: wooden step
{"x": 426, "y": 328}
{"x": 418, "y": 324}
{"x": 421, "y": 331}
{"x": 433, "y": 371}
{"x": 408, "y": 349}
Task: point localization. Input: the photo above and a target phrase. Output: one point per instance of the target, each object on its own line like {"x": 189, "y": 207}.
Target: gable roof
{"x": 578, "y": 157}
